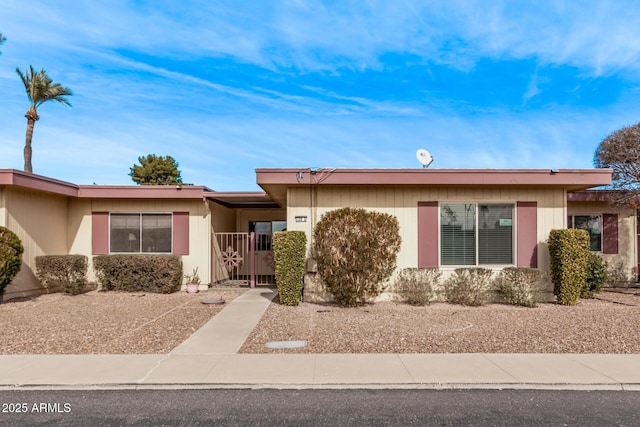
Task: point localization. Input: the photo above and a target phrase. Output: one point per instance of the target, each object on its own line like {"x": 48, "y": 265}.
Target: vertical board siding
{"x": 100, "y": 233}
{"x": 610, "y": 233}
{"x": 402, "y": 201}
{"x": 427, "y": 234}
{"x": 527, "y": 234}
{"x": 181, "y": 233}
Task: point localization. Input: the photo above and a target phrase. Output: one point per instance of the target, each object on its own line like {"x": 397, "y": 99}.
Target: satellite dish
{"x": 424, "y": 157}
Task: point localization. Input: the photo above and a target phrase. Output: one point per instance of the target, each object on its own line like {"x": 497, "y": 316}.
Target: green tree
{"x": 40, "y": 89}
{"x": 620, "y": 151}
{"x": 156, "y": 170}
{"x": 2, "y": 40}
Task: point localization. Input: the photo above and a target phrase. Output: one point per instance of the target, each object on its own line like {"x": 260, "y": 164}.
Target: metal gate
{"x": 242, "y": 259}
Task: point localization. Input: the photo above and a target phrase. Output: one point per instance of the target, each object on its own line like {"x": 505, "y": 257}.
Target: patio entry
{"x": 242, "y": 259}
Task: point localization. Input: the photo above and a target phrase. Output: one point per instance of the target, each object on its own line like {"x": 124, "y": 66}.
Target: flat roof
{"x": 242, "y": 199}
{"x": 246, "y": 199}
{"x": 37, "y": 182}
{"x": 275, "y": 181}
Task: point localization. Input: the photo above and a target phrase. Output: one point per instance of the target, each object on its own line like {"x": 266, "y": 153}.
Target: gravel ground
{"x": 608, "y": 324}
{"x": 105, "y": 322}
{"x": 138, "y": 323}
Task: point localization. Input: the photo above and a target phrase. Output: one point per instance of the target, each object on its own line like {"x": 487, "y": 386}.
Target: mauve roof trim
{"x": 328, "y": 176}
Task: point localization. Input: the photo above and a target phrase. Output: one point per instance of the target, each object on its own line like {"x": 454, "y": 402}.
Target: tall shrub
{"x": 68, "y": 272}
{"x": 596, "y": 275}
{"x": 356, "y": 251}
{"x": 11, "y": 250}
{"x": 569, "y": 253}
{"x": 134, "y": 273}
{"x": 289, "y": 249}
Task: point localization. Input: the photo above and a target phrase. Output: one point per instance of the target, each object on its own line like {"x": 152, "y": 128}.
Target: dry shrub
{"x": 519, "y": 286}
{"x": 418, "y": 286}
{"x": 468, "y": 286}
{"x": 68, "y": 272}
{"x": 356, "y": 251}
{"x": 139, "y": 273}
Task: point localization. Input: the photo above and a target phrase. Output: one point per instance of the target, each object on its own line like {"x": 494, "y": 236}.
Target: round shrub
{"x": 518, "y": 286}
{"x": 418, "y": 286}
{"x": 10, "y": 257}
{"x": 468, "y": 286}
{"x": 356, "y": 252}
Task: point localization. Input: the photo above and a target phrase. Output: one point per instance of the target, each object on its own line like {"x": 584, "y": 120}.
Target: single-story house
{"x": 448, "y": 218}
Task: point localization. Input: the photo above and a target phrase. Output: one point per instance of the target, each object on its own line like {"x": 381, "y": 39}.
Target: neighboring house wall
{"x": 402, "y": 202}
{"x": 40, "y": 221}
{"x": 619, "y": 245}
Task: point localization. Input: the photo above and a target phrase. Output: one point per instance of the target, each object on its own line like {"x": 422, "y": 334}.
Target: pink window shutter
{"x": 181, "y": 233}
{"x": 527, "y": 234}
{"x": 100, "y": 233}
{"x": 427, "y": 234}
{"x": 610, "y": 233}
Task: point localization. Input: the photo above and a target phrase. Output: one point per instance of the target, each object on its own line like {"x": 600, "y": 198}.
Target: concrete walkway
{"x": 209, "y": 359}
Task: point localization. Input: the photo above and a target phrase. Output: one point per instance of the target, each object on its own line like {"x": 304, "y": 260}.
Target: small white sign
{"x": 508, "y": 222}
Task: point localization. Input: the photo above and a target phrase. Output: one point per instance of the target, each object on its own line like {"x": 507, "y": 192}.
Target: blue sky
{"x": 229, "y": 86}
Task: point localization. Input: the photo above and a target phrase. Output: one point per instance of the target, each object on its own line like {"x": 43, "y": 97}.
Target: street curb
{"x": 332, "y": 386}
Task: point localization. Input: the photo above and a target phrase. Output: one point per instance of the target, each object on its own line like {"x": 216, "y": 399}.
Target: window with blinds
{"x": 472, "y": 234}
{"x": 140, "y": 232}
{"x": 495, "y": 234}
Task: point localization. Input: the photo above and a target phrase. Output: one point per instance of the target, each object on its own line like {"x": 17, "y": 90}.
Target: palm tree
{"x": 2, "y": 40}
{"x": 40, "y": 89}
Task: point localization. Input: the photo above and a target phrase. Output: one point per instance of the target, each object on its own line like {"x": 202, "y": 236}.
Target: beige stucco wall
{"x": 626, "y": 258}
{"x": 402, "y": 202}
{"x": 40, "y": 221}
{"x": 223, "y": 219}
{"x": 199, "y": 227}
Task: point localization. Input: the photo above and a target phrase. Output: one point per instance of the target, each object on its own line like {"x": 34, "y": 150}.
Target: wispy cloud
{"x": 229, "y": 86}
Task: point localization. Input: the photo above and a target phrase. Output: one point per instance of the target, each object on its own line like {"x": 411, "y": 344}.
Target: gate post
{"x": 252, "y": 259}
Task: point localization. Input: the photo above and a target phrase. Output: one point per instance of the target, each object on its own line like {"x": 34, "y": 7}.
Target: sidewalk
{"x": 209, "y": 359}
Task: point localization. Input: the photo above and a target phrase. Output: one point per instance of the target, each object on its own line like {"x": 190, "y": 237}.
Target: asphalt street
{"x": 319, "y": 407}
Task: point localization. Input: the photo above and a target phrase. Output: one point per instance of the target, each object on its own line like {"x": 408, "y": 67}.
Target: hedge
{"x": 289, "y": 249}
{"x": 569, "y": 257}
{"x": 134, "y": 273}
{"x": 68, "y": 272}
